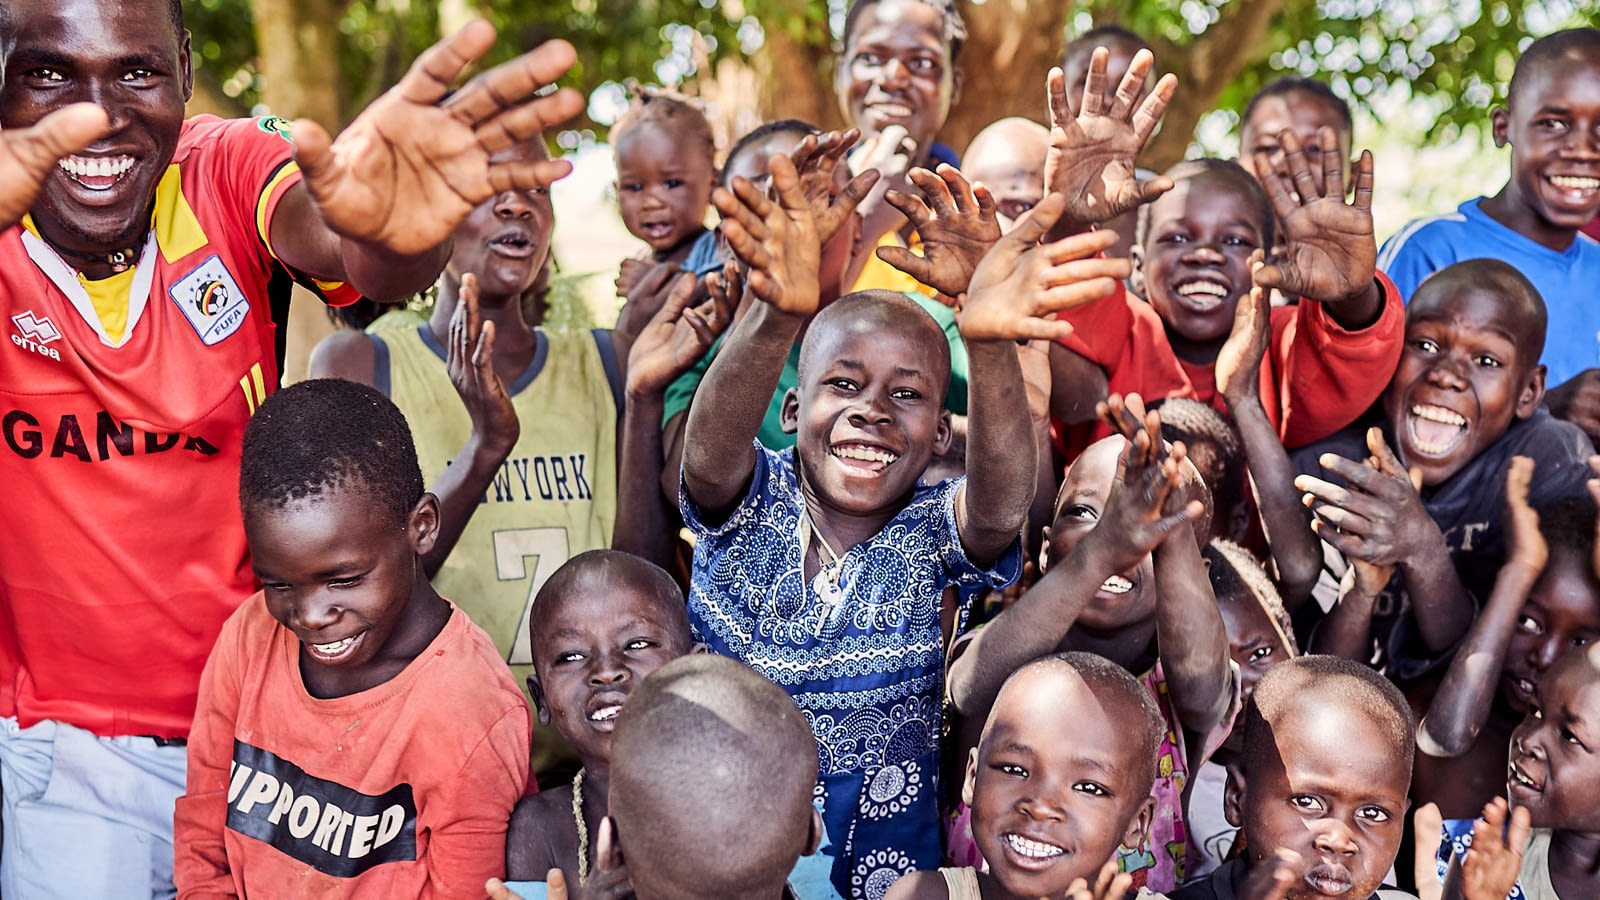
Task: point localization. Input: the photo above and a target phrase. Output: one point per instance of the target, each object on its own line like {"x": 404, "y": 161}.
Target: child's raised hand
{"x": 1427, "y": 824}
{"x": 1137, "y": 516}
{"x": 1109, "y": 884}
{"x": 1377, "y": 519}
{"x": 1272, "y": 877}
{"x": 1328, "y": 251}
{"x": 818, "y": 159}
{"x": 1238, "y": 368}
{"x": 1490, "y": 869}
{"x": 1526, "y": 546}
{"x": 679, "y": 335}
{"x": 470, "y": 362}
{"x": 1091, "y": 156}
{"x": 1021, "y": 283}
{"x": 957, "y": 222}
{"x": 777, "y": 238}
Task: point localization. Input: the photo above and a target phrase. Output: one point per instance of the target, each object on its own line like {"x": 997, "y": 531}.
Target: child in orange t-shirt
{"x": 345, "y": 707}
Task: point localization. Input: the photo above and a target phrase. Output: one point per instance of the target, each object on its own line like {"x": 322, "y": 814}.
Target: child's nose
{"x": 895, "y": 71}
{"x": 316, "y": 611}
{"x": 1446, "y": 373}
{"x": 513, "y": 205}
{"x": 608, "y": 669}
{"x": 1334, "y": 836}
{"x": 1204, "y": 253}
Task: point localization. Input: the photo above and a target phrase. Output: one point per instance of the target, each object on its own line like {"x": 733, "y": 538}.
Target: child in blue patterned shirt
{"x": 823, "y": 566}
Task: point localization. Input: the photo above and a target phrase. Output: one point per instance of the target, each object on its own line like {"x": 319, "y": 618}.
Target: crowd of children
{"x": 1020, "y": 525}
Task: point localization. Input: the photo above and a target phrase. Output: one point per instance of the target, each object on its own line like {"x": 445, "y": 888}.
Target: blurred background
{"x": 1422, "y": 76}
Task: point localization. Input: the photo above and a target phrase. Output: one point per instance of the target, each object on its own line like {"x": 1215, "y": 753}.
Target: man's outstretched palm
{"x": 410, "y": 168}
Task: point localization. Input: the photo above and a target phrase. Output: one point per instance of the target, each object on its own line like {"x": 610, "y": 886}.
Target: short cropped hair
{"x": 604, "y": 570}
{"x": 1299, "y": 684}
{"x": 1568, "y": 523}
{"x": 1227, "y": 169}
{"x": 1294, "y": 84}
{"x": 329, "y": 435}
{"x": 761, "y": 133}
{"x": 1107, "y": 679}
{"x": 1550, "y": 49}
{"x": 955, "y": 27}
{"x": 668, "y": 109}
{"x": 1235, "y": 571}
{"x": 1197, "y": 424}
{"x": 1502, "y": 278}
{"x": 885, "y": 304}
{"x": 8, "y": 36}
{"x": 1108, "y": 35}
{"x": 712, "y": 772}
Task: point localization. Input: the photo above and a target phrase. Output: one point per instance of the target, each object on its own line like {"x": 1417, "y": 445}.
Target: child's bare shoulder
{"x": 929, "y": 885}
{"x": 541, "y": 835}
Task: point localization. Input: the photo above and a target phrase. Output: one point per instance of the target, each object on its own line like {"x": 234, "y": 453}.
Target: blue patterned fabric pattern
{"x": 866, "y": 672}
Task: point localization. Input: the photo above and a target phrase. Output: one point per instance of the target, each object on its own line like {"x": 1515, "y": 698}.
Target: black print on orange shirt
{"x": 332, "y": 828}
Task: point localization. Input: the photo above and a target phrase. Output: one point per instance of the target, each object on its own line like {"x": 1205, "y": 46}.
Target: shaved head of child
{"x": 1328, "y": 749}
{"x": 713, "y": 770}
{"x": 1063, "y": 772}
{"x": 869, "y": 411}
{"x": 1007, "y": 157}
{"x": 604, "y": 621}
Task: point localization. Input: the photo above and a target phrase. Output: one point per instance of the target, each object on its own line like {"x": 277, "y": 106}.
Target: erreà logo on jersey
{"x": 211, "y": 300}
{"x": 337, "y": 830}
{"x": 35, "y": 333}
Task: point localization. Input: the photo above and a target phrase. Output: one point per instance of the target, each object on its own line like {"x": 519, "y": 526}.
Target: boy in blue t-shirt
{"x": 1552, "y": 122}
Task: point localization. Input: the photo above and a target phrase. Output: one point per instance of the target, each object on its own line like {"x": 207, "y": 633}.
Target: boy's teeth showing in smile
{"x": 1521, "y": 779}
{"x": 1436, "y": 430}
{"x": 335, "y": 652}
{"x": 605, "y": 714}
{"x": 1202, "y": 295}
{"x": 1116, "y": 584}
{"x": 864, "y": 456}
{"x": 1030, "y": 850}
{"x": 1582, "y": 187}
{"x": 97, "y": 173}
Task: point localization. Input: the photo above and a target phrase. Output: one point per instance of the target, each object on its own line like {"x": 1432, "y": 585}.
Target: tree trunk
{"x": 299, "y": 46}
{"x": 795, "y": 66}
{"x": 1011, "y": 45}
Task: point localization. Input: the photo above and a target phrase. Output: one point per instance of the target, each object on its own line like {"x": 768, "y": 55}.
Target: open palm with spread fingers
{"x": 1021, "y": 283}
{"x": 1328, "y": 251}
{"x": 957, "y": 222}
{"x": 411, "y": 167}
{"x": 1091, "y": 156}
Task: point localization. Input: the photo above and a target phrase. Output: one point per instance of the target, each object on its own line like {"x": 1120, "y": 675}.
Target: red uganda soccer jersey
{"x": 124, "y": 551}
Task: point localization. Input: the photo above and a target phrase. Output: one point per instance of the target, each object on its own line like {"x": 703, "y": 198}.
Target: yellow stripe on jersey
{"x": 263, "y": 227}
{"x": 254, "y": 388}
{"x": 110, "y": 299}
{"x": 178, "y": 231}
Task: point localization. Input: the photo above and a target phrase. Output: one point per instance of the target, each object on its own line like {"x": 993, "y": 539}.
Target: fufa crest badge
{"x": 211, "y": 300}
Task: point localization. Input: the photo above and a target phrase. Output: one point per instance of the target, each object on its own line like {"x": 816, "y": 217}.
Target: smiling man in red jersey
{"x": 141, "y": 289}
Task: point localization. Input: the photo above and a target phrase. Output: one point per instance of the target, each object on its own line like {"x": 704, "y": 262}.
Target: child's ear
{"x": 1138, "y": 833}
{"x": 1500, "y": 125}
{"x": 1233, "y": 797}
{"x": 423, "y": 524}
{"x": 971, "y": 778}
{"x": 814, "y": 833}
{"x": 699, "y": 647}
{"x": 1136, "y": 280}
{"x": 536, "y": 691}
{"x": 1044, "y": 549}
{"x": 943, "y": 436}
{"x": 789, "y": 415}
{"x": 1532, "y": 393}
{"x": 955, "y": 87}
